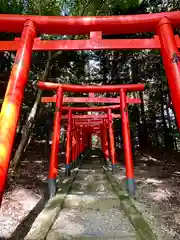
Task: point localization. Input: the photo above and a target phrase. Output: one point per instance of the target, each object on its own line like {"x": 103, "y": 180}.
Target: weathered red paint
{"x": 126, "y": 135}
{"x": 53, "y": 167}
{"x": 171, "y": 60}
{"x": 13, "y": 99}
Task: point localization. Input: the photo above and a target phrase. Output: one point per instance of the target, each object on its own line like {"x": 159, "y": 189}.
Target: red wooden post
{"x": 111, "y": 139}
{"x": 53, "y": 167}
{"x": 127, "y": 143}
{"x": 73, "y": 145}
{"x": 81, "y": 139}
{"x": 76, "y": 146}
{"x": 79, "y": 143}
{"x": 103, "y": 135}
{"x": 90, "y": 137}
{"x": 85, "y": 139}
{"x": 102, "y": 139}
{"x": 106, "y": 147}
{"x": 68, "y": 144}
{"x": 87, "y": 136}
{"x": 171, "y": 59}
{"x": 13, "y": 98}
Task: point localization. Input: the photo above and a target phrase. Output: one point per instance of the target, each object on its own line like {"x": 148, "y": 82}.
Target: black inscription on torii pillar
{"x": 125, "y": 109}
{"x": 175, "y": 58}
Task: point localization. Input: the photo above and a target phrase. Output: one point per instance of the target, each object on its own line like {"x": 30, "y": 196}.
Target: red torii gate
{"x": 98, "y": 125}
{"x": 60, "y": 90}
{"x": 162, "y": 24}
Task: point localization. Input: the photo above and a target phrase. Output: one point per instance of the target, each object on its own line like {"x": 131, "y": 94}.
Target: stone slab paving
{"x": 92, "y": 210}
{"x": 90, "y": 206}
{"x": 89, "y": 187}
{"x": 108, "y": 223}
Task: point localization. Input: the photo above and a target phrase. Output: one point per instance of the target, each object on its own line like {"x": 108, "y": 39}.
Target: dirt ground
{"x": 157, "y": 175}
{"x": 25, "y": 195}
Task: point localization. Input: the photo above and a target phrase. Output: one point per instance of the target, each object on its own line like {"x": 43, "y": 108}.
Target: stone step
{"x": 85, "y": 224}
{"x": 91, "y": 177}
{"x": 89, "y": 171}
{"x": 102, "y": 185}
{"x": 90, "y": 166}
{"x": 92, "y": 201}
{"x": 67, "y": 237}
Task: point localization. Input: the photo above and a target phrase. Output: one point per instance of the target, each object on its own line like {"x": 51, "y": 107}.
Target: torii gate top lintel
{"x": 76, "y": 25}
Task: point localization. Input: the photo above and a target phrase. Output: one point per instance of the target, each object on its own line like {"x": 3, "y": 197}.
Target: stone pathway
{"x": 92, "y": 209}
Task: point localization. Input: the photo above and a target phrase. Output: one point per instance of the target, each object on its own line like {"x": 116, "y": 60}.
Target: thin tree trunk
{"x": 168, "y": 114}
{"x": 169, "y": 121}
{"x": 142, "y": 127}
{"x": 143, "y": 117}
{"x": 157, "y": 139}
{"x": 162, "y": 109}
{"x": 154, "y": 132}
{"x": 175, "y": 144}
{"x": 168, "y": 139}
{"x": 27, "y": 128}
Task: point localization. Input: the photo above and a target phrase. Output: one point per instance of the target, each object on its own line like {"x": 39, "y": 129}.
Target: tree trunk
{"x": 168, "y": 114}
{"x": 168, "y": 139}
{"x": 27, "y": 128}
{"x": 154, "y": 132}
{"x": 157, "y": 139}
{"x": 141, "y": 120}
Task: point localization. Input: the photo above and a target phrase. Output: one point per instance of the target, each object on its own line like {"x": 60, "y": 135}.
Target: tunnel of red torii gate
{"x": 30, "y": 27}
{"x": 85, "y": 125}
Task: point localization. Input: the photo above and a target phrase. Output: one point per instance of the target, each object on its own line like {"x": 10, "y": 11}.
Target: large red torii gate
{"x": 163, "y": 24}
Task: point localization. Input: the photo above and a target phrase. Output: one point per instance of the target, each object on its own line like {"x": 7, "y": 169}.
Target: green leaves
{"x": 35, "y": 7}
{"x": 45, "y": 7}
{"x": 100, "y": 7}
{"x": 11, "y": 6}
